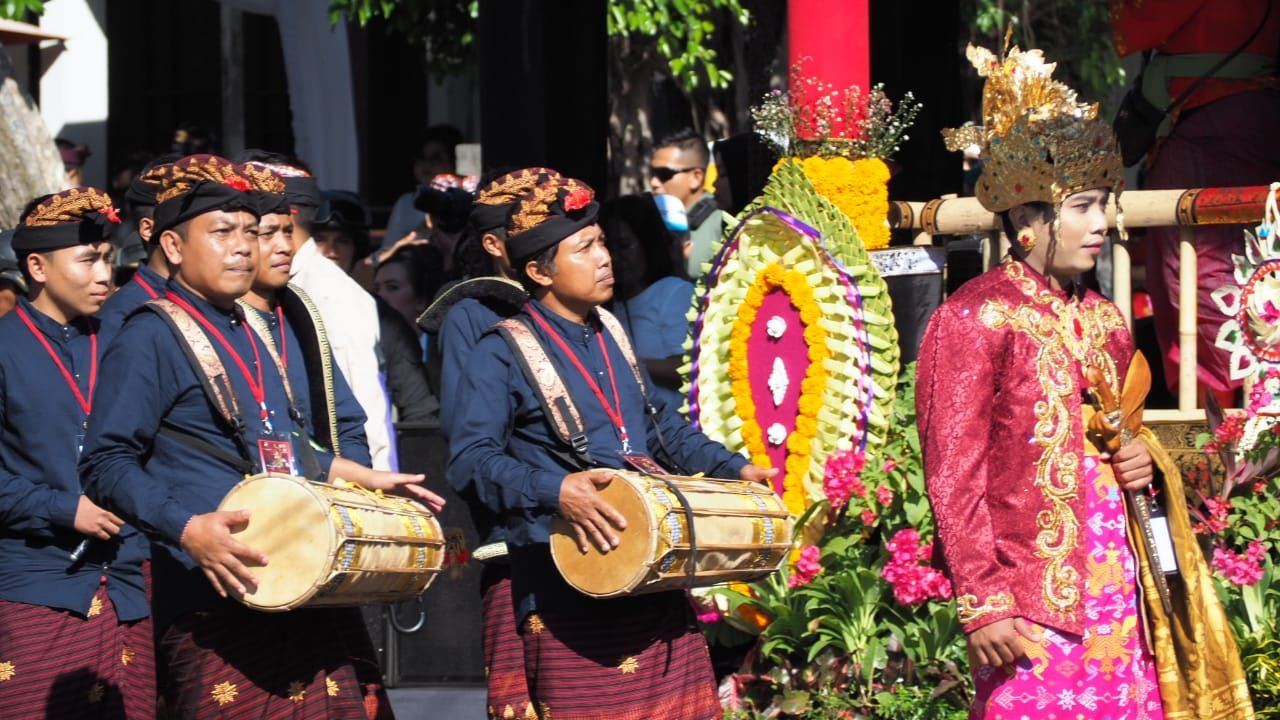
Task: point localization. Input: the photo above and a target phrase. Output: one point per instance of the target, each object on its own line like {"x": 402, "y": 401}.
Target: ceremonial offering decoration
{"x": 812, "y": 350}
{"x": 334, "y": 545}
{"x": 840, "y": 138}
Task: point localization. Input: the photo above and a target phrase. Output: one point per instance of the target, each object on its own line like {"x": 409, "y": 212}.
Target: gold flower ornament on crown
{"x": 182, "y": 176}
{"x": 1039, "y": 142}
{"x": 69, "y": 206}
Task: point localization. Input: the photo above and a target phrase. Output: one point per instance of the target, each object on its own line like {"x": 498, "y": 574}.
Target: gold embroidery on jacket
{"x": 1065, "y": 331}
{"x": 969, "y": 610}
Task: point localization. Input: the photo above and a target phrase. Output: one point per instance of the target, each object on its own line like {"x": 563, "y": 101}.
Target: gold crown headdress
{"x": 1039, "y": 143}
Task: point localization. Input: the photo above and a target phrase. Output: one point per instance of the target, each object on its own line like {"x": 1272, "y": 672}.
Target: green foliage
{"x": 683, "y": 32}
{"x": 1074, "y": 33}
{"x": 444, "y": 29}
{"x": 842, "y": 646}
{"x": 18, "y": 9}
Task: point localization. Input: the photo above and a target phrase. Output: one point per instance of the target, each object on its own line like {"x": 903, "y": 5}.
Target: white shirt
{"x": 351, "y": 321}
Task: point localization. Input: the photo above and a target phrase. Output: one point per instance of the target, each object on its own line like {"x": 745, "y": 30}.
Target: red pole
{"x": 832, "y": 41}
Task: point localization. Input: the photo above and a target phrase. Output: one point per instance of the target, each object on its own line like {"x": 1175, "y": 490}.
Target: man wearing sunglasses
{"x": 679, "y": 169}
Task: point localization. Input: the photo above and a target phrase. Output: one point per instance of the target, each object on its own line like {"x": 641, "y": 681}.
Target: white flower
{"x": 778, "y": 381}
{"x": 776, "y": 434}
{"x": 776, "y": 327}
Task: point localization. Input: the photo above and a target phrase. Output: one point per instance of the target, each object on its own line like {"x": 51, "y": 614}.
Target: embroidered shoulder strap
{"x": 204, "y": 360}
{"x": 619, "y": 336}
{"x": 213, "y": 379}
{"x": 317, "y": 353}
{"x": 263, "y": 331}
{"x": 562, "y": 414}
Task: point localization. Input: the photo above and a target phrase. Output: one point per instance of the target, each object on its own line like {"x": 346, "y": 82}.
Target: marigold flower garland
{"x": 799, "y": 444}
{"x": 858, "y": 188}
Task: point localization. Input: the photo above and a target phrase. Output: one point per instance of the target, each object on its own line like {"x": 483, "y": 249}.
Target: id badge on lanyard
{"x": 275, "y": 454}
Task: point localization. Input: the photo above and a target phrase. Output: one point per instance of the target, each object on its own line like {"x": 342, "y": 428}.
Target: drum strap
{"x": 562, "y": 414}
{"x": 557, "y": 404}
{"x": 209, "y": 368}
{"x": 691, "y": 565}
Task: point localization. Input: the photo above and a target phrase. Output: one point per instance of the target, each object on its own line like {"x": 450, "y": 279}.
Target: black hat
{"x": 199, "y": 184}
{"x": 72, "y": 217}
{"x": 538, "y": 207}
{"x": 344, "y": 210}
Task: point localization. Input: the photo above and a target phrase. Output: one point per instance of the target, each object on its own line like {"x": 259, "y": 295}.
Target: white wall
{"x": 73, "y": 90}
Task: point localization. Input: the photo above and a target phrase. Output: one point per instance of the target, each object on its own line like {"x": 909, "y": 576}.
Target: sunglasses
{"x": 664, "y": 174}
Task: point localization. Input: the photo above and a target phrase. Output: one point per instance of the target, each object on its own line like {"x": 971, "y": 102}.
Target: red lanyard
{"x": 137, "y": 277}
{"x": 615, "y": 411}
{"x": 86, "y": 404}
{"x": 257, "y": 389}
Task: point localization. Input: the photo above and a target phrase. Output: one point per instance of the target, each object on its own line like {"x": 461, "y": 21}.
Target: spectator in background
{"x": 342, "y": 235}
{"x": 743, "y": 165}
{"x": 649, "y": 299}
{"x": 679, "y": 168}
{"x": 12, "y": 284}
{"x": 341, "y": 228}
{"x": 191, "y": 139}
{"x": 435, "y": 155}
{"x": 73, "y": 155}
{"x": 1223, "y": 134}
{"x": 407, "y": 281}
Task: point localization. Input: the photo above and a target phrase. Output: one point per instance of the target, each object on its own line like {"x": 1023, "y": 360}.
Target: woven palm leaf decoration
{"x": 793, "y": 352}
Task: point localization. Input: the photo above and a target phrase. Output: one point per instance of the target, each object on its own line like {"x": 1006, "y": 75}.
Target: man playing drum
{"x": 285, "y": 319}
{"x": 75, "y": 639}
{"x": 191, "y": 401}
{"x": 624, "y": 658}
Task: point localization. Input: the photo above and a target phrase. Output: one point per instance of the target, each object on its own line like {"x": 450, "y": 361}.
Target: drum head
{"x": 290, "y": 524}
{"x": 621, "y": 569}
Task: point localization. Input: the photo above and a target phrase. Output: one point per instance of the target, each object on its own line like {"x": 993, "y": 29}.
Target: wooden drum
{"x": 334, "y": 545}
{"x": 740, "y": 532}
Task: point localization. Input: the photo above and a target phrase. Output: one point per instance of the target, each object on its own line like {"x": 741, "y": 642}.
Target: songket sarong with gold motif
{"x": 630, "y": 658}
{"x": 1109, "y": 671}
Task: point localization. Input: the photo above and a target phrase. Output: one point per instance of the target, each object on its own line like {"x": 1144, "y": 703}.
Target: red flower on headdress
{"x": 236, "y": 182}
{"x": 111, "y": 214}
{"x": 577, "y": 199}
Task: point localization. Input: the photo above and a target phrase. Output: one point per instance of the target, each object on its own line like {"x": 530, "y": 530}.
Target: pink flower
{"x": 913, "y": 581}
{"x": 1243, "y": 569}
{"x": 869, "y": 517}
{"x": 1216, "y": 520}
{"x": 807, "y": 567}
{"x": 884, "y": 495}
{"x": 841, "y": 477}
{"x": 889, "y": 466}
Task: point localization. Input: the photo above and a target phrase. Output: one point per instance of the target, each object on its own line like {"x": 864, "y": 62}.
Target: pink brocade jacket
{"x": 998, "y": 397}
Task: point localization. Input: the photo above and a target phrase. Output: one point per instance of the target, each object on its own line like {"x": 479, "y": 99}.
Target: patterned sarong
{"x": 634, "y": 658}
{"x": 245, "y": 664}
{"x": 1107, "y": 673}
{"x": 56, "y": 664}
{"x": 503, "y": 648}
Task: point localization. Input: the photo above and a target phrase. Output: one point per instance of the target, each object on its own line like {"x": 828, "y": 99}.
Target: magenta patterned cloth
{"x": 1108, "y": 674}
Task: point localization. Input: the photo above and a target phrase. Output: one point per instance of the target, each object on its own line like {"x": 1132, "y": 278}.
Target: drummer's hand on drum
{"x": 404, "y": 484}
{"x": 207, "y": 539}
{"x": 757, "y": 474}
{"x": 388, "y": 482}
{"x": 593, "y": 519}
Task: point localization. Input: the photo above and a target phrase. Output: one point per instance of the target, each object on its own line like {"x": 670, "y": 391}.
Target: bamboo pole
{"x": 1188, "y": 284}
{"x": 1122, "y": 279}
{"x": 1142, "y": 208}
